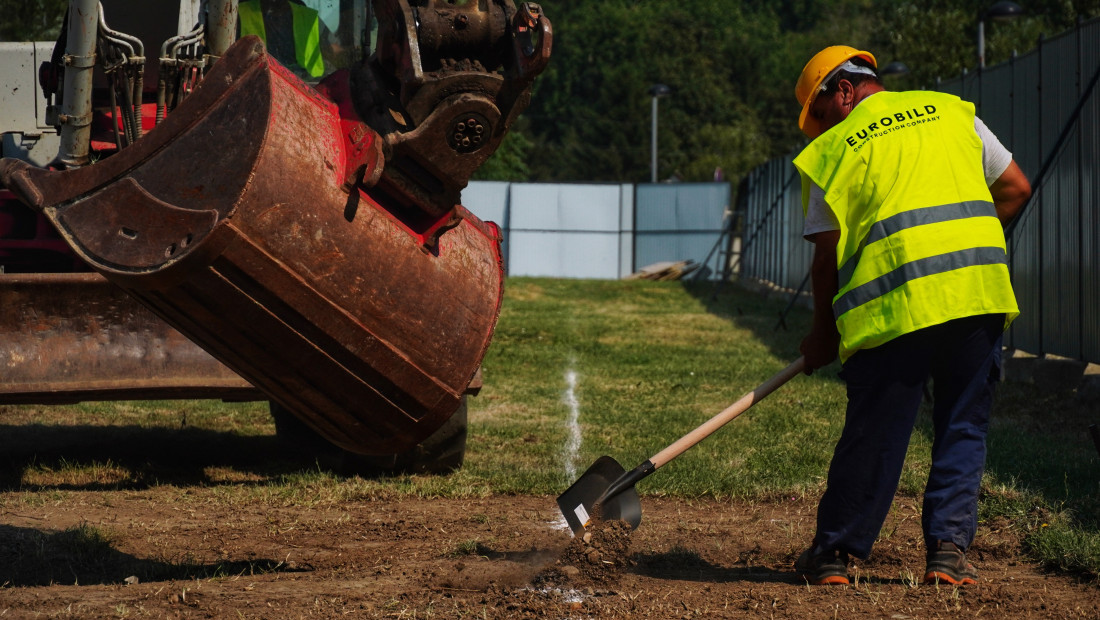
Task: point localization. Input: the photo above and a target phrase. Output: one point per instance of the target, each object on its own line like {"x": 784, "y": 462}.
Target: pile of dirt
{"x": 597, "y": 555}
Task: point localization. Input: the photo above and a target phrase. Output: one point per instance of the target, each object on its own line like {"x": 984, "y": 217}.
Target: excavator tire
{"x": 441, "y": 453}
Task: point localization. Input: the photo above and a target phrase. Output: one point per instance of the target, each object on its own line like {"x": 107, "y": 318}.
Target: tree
{"x": 591, "y": 115}
{"x": 509, "y": 162}
{"x": 732, "y": 67}
{"x": 938, "y": 38}
{"x": 31, "y": 20}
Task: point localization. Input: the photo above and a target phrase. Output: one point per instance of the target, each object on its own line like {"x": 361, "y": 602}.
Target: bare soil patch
{"x": 172, "y": 552}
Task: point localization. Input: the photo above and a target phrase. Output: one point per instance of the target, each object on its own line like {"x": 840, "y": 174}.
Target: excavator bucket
{"x": 247, "y": 221}
{"x": 70, "y": 337}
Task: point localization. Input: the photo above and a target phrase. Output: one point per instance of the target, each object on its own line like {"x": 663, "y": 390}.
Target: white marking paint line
{"x": 561, "y": 524}
{"x": 573, "y": 444}
{"x": 569, "y": 596}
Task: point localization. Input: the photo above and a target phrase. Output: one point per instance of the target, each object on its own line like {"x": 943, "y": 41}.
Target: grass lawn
{"x": 579, "y": 369}
{"x": 634, "y": 365}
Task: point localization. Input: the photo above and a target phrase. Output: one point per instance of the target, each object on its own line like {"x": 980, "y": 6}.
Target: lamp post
{"x": 1000, "y": 11}
{"x": 655, "y": 91}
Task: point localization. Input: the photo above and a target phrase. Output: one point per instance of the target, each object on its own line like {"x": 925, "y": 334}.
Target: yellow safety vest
{"x": 307, "y": 33}
{"x": 920, "y": 243}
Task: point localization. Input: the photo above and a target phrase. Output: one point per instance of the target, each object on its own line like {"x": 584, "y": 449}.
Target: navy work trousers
{"x": 885, "y": 387}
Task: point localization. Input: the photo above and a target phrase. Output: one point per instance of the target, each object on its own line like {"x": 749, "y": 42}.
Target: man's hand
{"x": 820, "y": 347}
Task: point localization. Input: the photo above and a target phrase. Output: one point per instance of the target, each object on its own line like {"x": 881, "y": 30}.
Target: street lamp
{"x": 655, "y": 91}
{"x": 1001, "y": 11}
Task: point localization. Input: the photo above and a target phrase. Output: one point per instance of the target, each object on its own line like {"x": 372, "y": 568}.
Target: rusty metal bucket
{"x": 235, "y": 221}
{"x": 70, "y": 337}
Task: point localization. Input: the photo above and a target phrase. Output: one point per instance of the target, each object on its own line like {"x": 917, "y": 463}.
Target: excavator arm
{"x": 309, "y": 238}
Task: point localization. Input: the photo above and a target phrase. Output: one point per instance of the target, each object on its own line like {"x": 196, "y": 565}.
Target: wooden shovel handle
{"x": 729, "y": 413}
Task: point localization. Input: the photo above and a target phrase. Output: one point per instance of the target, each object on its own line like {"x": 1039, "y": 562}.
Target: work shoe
{"x": 820, "y": 567}
{"x": 947, "y": 564}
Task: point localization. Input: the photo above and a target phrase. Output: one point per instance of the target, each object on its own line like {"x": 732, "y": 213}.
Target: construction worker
{"x": 905, "y": 196}
{"x": 290, "y": 30}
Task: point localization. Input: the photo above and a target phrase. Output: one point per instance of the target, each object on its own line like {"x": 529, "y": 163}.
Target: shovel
{"x": 606, "y": 491}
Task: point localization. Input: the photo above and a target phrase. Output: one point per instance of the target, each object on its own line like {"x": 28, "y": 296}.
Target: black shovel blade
{"x": 578, "y": 503}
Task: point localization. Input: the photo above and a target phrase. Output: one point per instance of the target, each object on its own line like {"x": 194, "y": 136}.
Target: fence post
{"x": 1011, "y": 336}
{"x": 1039, "y": 215}
{"x": 1081, "y": 258}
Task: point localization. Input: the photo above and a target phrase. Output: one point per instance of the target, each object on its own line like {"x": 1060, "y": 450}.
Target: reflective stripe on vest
{"x": 920, "y": 242}
{"x": 909, "y": 219}
{"x": 306, "y": 27}
{"x": 919, "y": 268}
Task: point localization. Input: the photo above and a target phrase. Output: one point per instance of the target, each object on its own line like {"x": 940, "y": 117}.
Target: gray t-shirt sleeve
{"x": 995, "y": 160}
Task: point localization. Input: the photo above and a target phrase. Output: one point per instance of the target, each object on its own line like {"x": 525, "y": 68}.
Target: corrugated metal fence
{"x": 772, "y": 247}
{"x": 1044, "y": 106}
{"x": 604, "y": 231}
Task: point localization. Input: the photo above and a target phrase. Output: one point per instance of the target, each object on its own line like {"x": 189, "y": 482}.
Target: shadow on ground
{"x": 769, "y": 315}
{"x": 82, "y": 556}
{"x": 134, "y": 457}
{"x": 688, "y": 566}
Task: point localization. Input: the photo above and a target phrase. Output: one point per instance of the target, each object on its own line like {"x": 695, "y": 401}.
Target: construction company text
{"x": 892, "y": 122}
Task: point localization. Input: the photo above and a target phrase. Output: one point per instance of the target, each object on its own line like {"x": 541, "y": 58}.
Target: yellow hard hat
{"x": 814, "y": 73}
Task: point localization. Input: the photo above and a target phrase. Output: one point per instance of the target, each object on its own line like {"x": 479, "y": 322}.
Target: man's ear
{"x": 847, "y": 91}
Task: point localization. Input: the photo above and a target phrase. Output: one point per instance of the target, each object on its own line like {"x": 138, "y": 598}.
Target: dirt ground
{"x": 180, "y": 552}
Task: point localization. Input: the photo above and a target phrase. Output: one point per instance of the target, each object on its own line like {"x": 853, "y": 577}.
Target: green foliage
{"x": 732, "y": 69}
{"x": 939, "y": 39}
{"x": 509, "y": 162}
{"x": 592, "y": 114}
{"x": 31, "y": 20}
